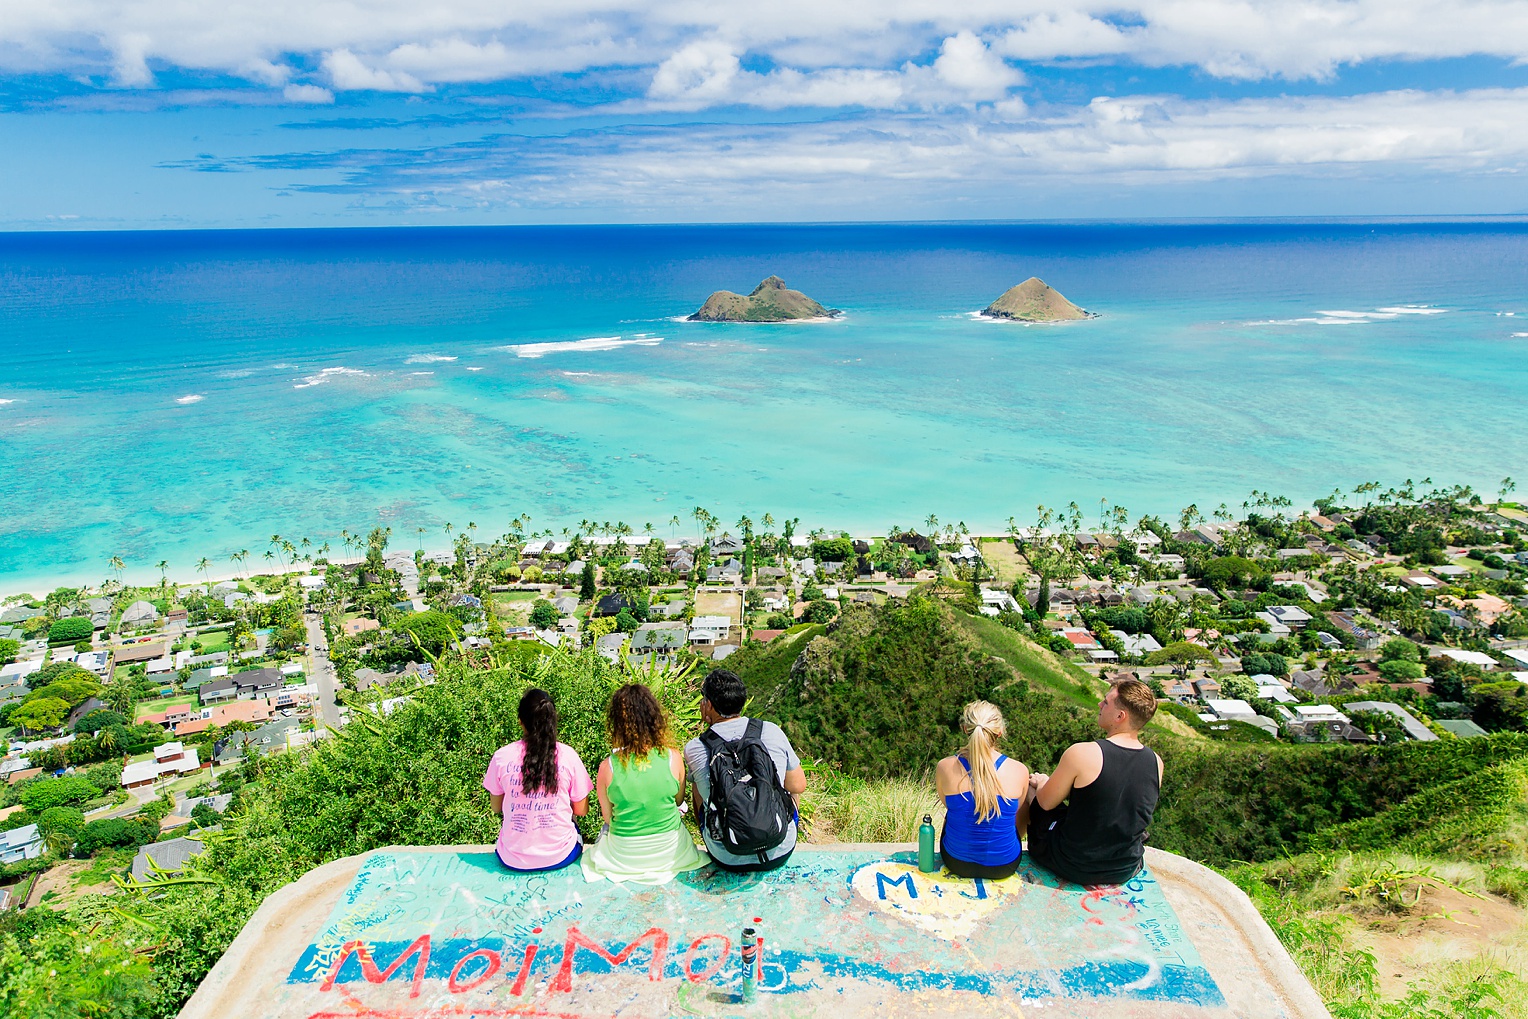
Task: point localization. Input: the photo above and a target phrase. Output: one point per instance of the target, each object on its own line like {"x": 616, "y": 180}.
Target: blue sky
{"x": 137, "y": 113}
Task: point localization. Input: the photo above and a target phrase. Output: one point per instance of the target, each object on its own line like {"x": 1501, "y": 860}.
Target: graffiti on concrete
{"x": 439, "y": 933}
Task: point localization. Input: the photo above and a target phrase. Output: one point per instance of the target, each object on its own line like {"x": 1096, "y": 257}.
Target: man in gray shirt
{"x": 722, "y": 698}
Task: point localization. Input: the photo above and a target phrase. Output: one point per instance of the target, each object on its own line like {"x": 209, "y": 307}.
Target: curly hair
{"x": 637, "y": 723}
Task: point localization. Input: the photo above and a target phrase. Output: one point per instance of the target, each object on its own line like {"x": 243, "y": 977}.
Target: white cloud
{"x": 967, "y": 65}
{"x": 702, "y": 72}
{"x": 710, "y": 73}
{"x": 403, "y": 45}
{"x": 347, "y": 72}
{"x": 982, "y": 156}
{"x": 307, "y": 94}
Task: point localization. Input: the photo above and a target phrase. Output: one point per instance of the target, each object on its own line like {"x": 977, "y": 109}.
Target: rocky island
{"x": 1034, "y": 301}
{"x": 771, "y": 301}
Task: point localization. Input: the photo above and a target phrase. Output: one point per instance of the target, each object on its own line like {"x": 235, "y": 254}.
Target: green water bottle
{"x": 926, "y": 861}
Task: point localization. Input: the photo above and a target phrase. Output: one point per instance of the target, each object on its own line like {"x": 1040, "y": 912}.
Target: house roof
{"x": 171, "y": 856}
{"x": 1415, "y": 729}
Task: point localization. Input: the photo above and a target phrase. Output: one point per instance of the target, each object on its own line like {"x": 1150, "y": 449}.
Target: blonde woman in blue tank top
{"x": 984, "y": 799}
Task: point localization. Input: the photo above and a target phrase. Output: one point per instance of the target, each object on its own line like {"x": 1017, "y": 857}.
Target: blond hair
{"x": 983, "y": 725}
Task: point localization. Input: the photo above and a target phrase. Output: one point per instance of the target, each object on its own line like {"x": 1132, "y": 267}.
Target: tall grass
{"x": 841, "y": 809}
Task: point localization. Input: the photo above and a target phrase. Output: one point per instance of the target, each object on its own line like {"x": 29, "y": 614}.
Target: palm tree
{"x": 449, "y": 528}
{"x": 421, "y": 538}
{"x": 162, "y": 565}
{"x": 106, "y": 740}
{"x": 674, "y": 526}
{"x": 275, "y": 542}
{"x": 116, "y": 564}
{"x": 647, "y": 529}
{"x": 202, "y": 565}
{"x": 933, "y": 524}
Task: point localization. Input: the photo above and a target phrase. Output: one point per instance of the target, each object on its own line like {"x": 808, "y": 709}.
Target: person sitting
{"x": 747, "y": 781}
{"x": 538, "y": 786}
{"x": 1088, "y": 819}
{"x": 984, "y": 794}
{"x": 640, "y": 786}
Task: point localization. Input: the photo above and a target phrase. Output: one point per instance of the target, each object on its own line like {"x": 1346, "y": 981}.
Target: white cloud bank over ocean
{"x": 471, "y": 109}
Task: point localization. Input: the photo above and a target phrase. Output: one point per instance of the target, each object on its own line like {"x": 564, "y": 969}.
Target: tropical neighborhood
{"x": 140, "y": 721}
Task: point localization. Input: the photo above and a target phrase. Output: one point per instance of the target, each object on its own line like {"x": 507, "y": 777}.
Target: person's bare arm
{"x": 496, "y": 804}
{"x": 1053, "y": 789}
{"x": 795, "y": 784}
{"x": 676, "y": 768}
{"x": 602, "y": 786}
{"x": 581, "y": 807}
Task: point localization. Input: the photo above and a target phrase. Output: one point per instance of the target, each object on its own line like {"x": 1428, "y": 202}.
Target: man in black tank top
{"x": 1088, "y": 819}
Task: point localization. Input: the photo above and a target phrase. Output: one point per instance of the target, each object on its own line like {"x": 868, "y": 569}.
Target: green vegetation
{"x": 70, "y": 630}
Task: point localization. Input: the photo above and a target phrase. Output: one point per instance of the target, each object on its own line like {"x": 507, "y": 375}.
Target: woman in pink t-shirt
{"x": 538, "y": 785}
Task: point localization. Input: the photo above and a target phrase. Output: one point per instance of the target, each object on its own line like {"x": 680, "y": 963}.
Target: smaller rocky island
{"x": 771, "y": 301}
{"x": 1034, "y": 301}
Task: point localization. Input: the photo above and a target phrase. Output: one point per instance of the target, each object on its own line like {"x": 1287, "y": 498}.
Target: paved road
{"x": 321, "y": 671}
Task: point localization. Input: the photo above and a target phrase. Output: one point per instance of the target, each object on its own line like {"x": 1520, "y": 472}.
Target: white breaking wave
{"x": 593, "y": 343}
{"x": 319, "y": 378}
{"x": 1515, "y": 336}
{"x": 1350, "y": 318}
{"x": 421, "y": 373}
{"x": 578, "y": 375}
{"x": 4, "y": 402}
{"x": 474, "y": 368}
{"x": 429, "y": 358}
{"x": 192, "y": 398}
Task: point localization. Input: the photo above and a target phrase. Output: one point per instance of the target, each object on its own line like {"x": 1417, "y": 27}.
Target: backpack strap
{"x": 754, "y": 730}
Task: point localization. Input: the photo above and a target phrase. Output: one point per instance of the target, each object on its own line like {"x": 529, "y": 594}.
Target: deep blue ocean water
{"x": 175, "y": 395}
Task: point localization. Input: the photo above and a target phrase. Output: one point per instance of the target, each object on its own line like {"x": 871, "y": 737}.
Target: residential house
{"x": 138, "y": 615}
{"x": 1414, "y": 729}
{"x": 609, "y": 646}
{"x": 21, "y": 844}
{"x": 1081, "y": 639}
{"x": 1000, "y": 600}
{"x": 765, "y": 636}
{"x": 131, "y": 654}
{"x": 710, "y": 629}
{"x": 1462, "y": 728}
{"x": 169, "y": 759}
{"x": 1291, "y": 616}
{"x": 1137, "y": 643}
{"x": 358, "y": 626}
{"x": 1180, "y": 690}
{"x": 1207, "y": 689}
{"x": 1480, "y": 658}
{"x": 1359, "y": 636}
{"x": 170, "y": 857}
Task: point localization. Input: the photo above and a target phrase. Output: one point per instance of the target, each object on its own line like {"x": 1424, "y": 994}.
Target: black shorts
{"x": 988, "y": 872}
{"x": 1043, "y": 824}
{"x": 752, "y": 868}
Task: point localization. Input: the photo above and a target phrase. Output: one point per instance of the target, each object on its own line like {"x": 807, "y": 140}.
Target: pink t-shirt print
{"x": 538, "y": 829}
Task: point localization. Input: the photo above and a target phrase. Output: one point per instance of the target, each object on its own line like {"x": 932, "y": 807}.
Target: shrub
{"x": 1464, "y": 817}
{"x": 1265, "y": 663}
{"x": 114, "y": 831}
{"x": 1399, "y": 649}
{"x": 70, "y": 630}
{"x": 8, "y": 649}
{"x": 1401, "y": 670}
{"x": 58, "y": 792}
{"x": 543, "y": 615}
{"x": 1181, "y": 653}
{"x": 820, "y": 611}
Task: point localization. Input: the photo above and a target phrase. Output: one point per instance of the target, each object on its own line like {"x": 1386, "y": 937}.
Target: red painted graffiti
{"x": 525, "y": 970}
{"x": 577, "y": 939}
{"x": 714, "y": 967}
{"x": 421, "y": 947}
{"x": 494, "y": 961}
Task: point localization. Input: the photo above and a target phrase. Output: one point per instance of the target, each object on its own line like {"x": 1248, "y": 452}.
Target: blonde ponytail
{"x": 983, "y": 725}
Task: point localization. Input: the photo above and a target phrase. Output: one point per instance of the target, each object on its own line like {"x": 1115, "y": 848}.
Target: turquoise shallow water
{"x": 173, "y": 395}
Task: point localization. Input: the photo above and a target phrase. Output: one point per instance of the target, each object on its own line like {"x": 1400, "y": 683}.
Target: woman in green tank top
{"x": 640, "y": 787}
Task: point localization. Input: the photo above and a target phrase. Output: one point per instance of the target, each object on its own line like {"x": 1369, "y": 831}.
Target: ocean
{"x": 174, "y": 395}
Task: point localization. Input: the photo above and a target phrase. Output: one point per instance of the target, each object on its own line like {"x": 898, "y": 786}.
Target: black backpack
{"x": 749, "y": 811}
